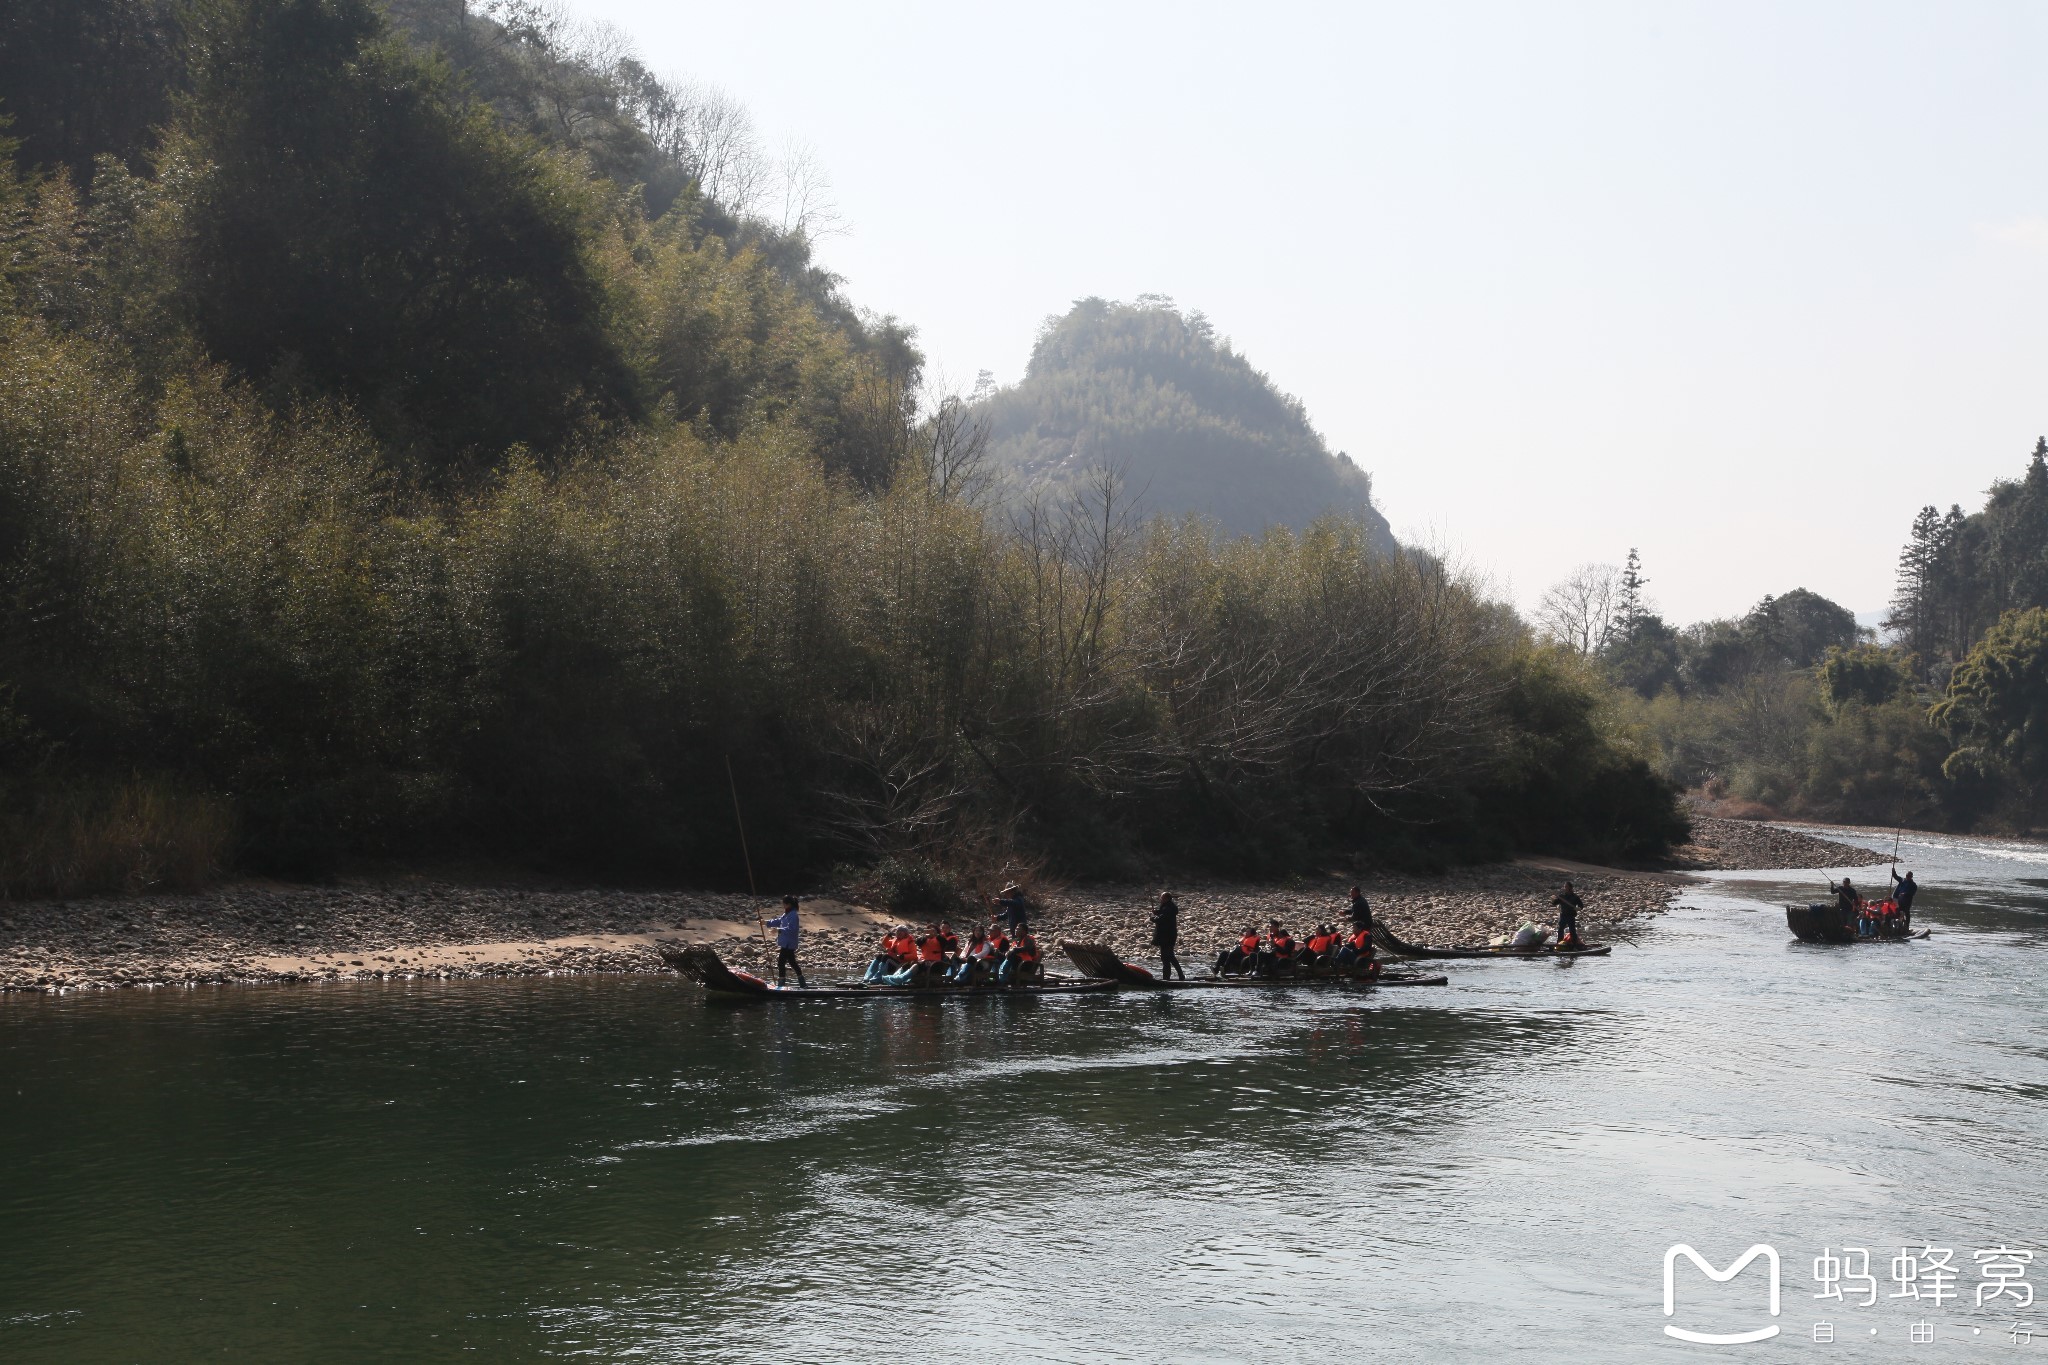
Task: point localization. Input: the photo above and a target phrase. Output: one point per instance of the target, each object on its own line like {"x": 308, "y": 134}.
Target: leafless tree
{"x": 1578, "y": 611}
{"x": 807, "y": 205}
{"x": 951, "y": 447}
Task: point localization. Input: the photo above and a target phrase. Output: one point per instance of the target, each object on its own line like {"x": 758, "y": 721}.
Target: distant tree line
{"x": 1794, "y": 708}
{"x": 419, "y": 435}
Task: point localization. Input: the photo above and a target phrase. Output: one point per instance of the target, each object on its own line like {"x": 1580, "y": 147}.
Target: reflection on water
{"x": 613, "y": 1168}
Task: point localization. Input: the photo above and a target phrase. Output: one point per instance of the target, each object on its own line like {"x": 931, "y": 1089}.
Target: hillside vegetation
{"x": 1792, "y": 709}
{"x": 405, "y": 452}
{"x": 1185, "y": 421}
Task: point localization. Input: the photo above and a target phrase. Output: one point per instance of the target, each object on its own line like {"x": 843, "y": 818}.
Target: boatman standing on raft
{"x": 1902, "y": 896}
{"x": 1568, "y": 905}
{"x": 1361, "y": 911}
{"x": 785, "y": 927}
{"x": 1166, "y": 936}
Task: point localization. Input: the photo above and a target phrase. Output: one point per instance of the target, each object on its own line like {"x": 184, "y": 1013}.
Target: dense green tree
{"x": 1865, "y": 675}
{"x": 1801, "y": 626}
{"x": 86, "y": 78}
{"x": 1645, "y": 660}
{"x": 341, "y": 218}
{"x": 1996, "y": 707}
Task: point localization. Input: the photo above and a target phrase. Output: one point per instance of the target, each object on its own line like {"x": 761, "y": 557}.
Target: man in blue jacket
{"x": 785, "y": 927}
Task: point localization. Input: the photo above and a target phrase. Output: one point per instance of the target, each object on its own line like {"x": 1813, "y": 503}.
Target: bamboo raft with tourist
{"x": 1849, "y": 918}
{"x": 1003, "y": 959}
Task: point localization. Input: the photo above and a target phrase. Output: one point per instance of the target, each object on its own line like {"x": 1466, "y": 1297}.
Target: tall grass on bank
{"x": 133, "y": 834}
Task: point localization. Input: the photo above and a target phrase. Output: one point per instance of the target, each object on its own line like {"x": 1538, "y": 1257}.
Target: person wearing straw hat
{"x": 1012, "y": 910}
{"x": 786, "y": 931}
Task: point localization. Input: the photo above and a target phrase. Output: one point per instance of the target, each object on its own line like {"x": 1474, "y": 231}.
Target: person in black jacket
{"x": 1902, "y": 896}
{"x": 1361, "y": 911}
{"x": 1568, "y": 903}
{"x": 1166, "y": 935}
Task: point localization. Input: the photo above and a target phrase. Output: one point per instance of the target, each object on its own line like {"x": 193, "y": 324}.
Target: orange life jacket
{"x": 930, "y": 949}
{"x": 998, "y": 945}
{"x": 901, "y": 947}
{"x": 1027, "y": 949}
{"x": 1321, "y": 943}
{"x": 1249, "y": 944}
{"x": 1362, "y": 940}
{"x": 1283, "y": 945}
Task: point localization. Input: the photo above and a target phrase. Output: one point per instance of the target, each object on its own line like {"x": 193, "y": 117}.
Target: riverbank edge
{"x": 410, "y": 928}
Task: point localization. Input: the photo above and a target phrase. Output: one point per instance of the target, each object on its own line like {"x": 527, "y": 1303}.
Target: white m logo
{"x": 1722, "y": 1277}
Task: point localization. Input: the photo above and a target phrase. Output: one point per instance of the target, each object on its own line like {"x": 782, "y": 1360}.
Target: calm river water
{"x": 610, "y": 1168}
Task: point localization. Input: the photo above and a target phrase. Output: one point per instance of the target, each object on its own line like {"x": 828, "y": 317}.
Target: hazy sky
{"x": 1741, "y": 284}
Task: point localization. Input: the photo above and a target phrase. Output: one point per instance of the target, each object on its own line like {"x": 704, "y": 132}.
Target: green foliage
{"x": 1644, "y": 658}
{"x": 1863, "y": 675}
{"x": 338, "y": 218}
{"x": 1996, "y": 708}
{"x": 920, "y": 891}
{"x": 1186, "y": 421}
{"x": 1958, "y": 574}
{"x": 88, "y": 78}
{"x": 1567, "y": 778}
{"x": 378, "y": 478}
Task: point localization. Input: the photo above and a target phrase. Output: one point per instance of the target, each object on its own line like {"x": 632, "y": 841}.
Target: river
{"x": 610, "y": 1168}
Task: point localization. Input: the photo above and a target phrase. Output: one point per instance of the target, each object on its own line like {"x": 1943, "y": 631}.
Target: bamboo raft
{"x": 1103, "y": 964}
{"x": 1824, "y": 922}
{"x": 708, "y": 970}
{"x": 1384, "y": 939}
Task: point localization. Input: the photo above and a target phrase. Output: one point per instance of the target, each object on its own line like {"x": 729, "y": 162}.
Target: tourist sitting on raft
{"x": 977, "y": 963}
{"x": 1242, "y": 957}
{"x": 898, "y": 954}
{"x": 1020, "y": 966}
{"x": 1356, "y": 954}
{"x": 1321, "y": 949}
{"x": 1281, "y": 954}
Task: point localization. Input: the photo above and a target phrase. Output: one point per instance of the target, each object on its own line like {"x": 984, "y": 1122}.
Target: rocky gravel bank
{"x": 1718, "y": 843}
{"x": 257, "y": 934}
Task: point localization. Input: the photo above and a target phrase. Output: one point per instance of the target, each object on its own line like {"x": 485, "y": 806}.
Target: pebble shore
{"x": 1718, "y": 843}
{"x": 412, "y": 929}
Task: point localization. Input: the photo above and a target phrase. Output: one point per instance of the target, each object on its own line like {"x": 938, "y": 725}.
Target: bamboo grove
{"x": 436, "y": 495}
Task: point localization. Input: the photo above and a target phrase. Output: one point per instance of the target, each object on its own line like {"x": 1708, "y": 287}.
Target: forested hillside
{"x": 1943, "y": 722}
{"x": 418, "y": 436}
{"x": 1185, "y": 421}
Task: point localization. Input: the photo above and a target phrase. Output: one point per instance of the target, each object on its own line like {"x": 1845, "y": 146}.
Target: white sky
{"x": 1742, "y": 284}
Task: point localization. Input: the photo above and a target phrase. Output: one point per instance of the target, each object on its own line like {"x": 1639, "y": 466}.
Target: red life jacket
{"x": 930, "y": 949}
{"x": 1283, "y": 945}
{"x": 1362, "y": 940}
{"x": 1248, "y": 945}
{"x": 1027, "y": 949}
{"x": 1322, "y": 943}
